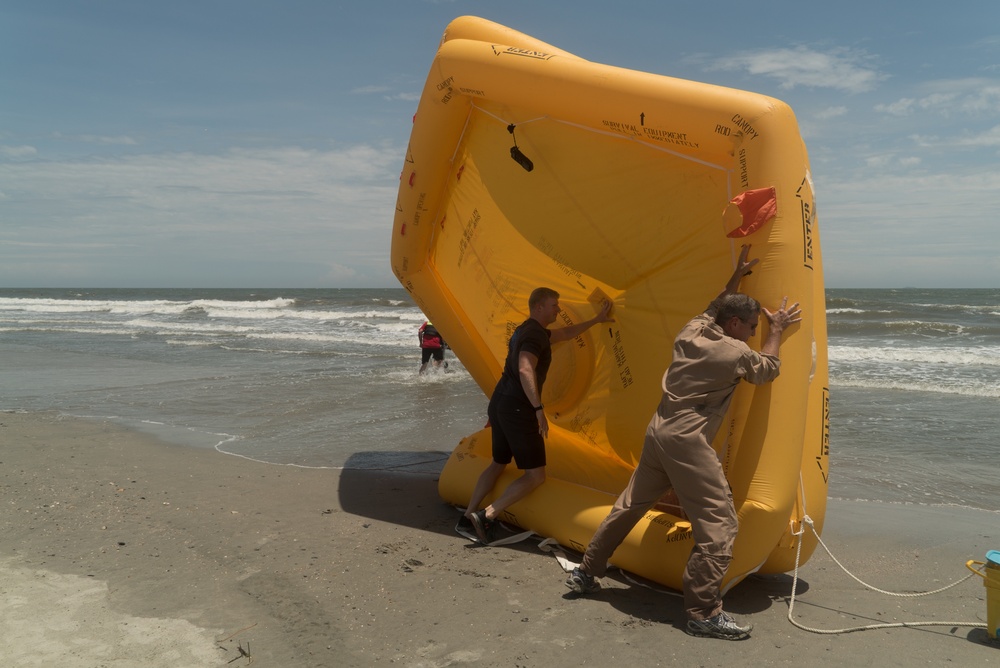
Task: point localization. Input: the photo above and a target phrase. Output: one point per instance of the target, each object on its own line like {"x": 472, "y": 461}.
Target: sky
{"x": 252, "y": 143}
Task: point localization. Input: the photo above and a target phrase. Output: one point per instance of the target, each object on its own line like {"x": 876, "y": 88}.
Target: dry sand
{"x": 119, "y": 550}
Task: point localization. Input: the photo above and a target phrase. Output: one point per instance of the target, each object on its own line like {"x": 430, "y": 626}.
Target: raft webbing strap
{"x": 509, "y": 540}
{"x": 552, "y": 546}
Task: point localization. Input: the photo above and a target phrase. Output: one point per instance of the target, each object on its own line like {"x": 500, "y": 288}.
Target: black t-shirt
{"x": 530, "y": 337}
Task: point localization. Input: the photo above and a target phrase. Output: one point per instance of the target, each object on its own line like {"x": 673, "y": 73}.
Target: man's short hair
{"x": 737, "y": 304}
{"x": 538, "y": 295}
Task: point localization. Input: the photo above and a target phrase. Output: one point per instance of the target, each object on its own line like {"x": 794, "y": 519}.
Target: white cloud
{"x": 933, "y": 230}
{"x": 926, "y": 141}
{"x": 971, "y": 97}
{"x": 120, "y": 140}
{"x": 942, "y": 101}
{"x": 320, "y": 215}
{"x": 367, "y": 90}
{"x": 18, "y": 151}
{"x": 338, "y": 273}
{"x": 883, "y": 161}
{"x": 839, "y": 69}
{"x": 985, "y": 99}
{"x": 404, "y": 97}
{"x": 830, "y": 112}
{"x": 99, "y": 139}
{"x": 386, "y": 93}
{"x": 901, "y": 107}
{"x": 878, "y": 160}
{"x": 990, "y": 138}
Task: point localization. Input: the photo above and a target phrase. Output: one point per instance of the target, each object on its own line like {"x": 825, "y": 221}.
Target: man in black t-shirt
{"x": 516, "y": 414}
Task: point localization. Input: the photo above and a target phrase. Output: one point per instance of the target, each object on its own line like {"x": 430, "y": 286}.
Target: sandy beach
{"x": 121, "y": 550}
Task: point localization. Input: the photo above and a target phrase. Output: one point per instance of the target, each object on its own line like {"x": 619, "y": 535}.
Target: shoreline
{"x": 181, "y": 556}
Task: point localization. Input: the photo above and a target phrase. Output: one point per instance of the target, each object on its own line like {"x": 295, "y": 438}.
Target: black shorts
{"x": 426, "y": 353}
{"x": 515, "y": 433}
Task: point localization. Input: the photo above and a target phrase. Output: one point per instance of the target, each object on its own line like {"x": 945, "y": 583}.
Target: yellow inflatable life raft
{"x": 528, "y": 166}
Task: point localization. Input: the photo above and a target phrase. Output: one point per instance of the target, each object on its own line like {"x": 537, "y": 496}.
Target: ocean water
{"x": 914, "y": 395}
{"x": 328, "y": 378}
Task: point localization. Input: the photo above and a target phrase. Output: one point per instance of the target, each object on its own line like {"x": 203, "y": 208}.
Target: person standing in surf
{"x": 515, "y": 411}
{"x": 431, "y": 346}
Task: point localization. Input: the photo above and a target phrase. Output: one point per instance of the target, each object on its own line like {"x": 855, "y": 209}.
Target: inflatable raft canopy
{"x": 528, "y": 166}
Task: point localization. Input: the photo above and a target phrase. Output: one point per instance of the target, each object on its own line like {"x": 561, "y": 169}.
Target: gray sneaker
{"x": 721, "y": 626}
{"x": 582, "y": 583}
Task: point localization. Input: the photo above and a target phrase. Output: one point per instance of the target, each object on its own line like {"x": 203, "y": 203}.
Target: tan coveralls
{"x": 677, "y": 452}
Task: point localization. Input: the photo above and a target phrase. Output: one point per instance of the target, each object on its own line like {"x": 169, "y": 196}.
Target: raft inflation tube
{"x": 528, "y": 166}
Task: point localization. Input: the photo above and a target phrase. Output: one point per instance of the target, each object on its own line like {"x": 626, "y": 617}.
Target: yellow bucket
{"x": 991, "y": 578}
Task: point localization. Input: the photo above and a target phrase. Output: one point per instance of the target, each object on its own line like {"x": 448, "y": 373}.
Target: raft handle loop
{"x": 795, "y": 581}
{"x": 802, "y": 528}
{"x": 977, "y": 571}
{"x": 805, "y": 512}
{"x": 515, "y": 152}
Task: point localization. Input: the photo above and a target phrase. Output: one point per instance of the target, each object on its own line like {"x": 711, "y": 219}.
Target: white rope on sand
{"x": 795, "y": 580}
{"x": 551, "y": 546}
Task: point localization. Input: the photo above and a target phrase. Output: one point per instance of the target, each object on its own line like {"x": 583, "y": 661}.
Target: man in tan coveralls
{"x": 710, "y": 357}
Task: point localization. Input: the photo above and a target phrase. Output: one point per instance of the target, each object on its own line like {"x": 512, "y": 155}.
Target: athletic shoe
{"x": 582, "y": 583}
{"x": 721, "y": 626}
{"x": 464, "y": 525}
{"x": 485, "y": 529}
